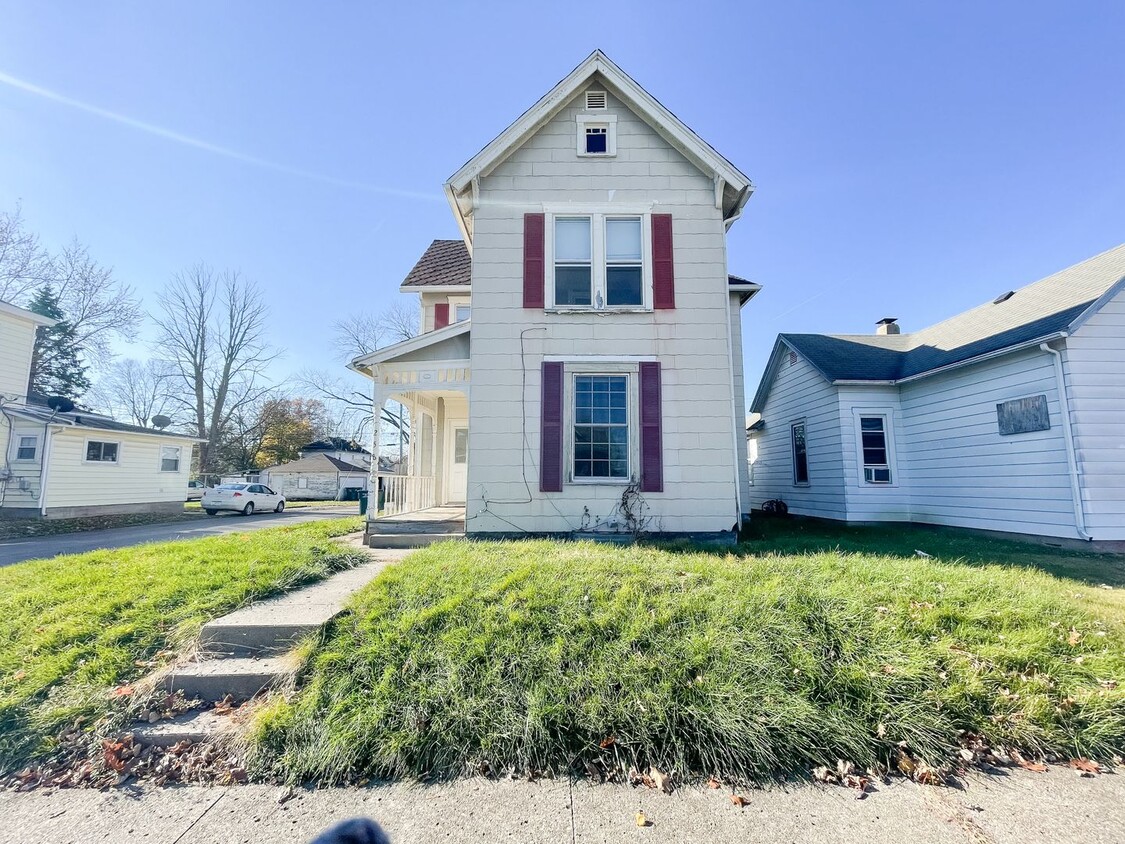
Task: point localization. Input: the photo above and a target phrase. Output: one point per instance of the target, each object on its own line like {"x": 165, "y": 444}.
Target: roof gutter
{"x": 1068, "y": 438}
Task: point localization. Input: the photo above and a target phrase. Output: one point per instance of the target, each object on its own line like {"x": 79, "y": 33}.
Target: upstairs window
{"x": 599, "y": 262}
{"x": 461, "y": 313}
{"x": 597, "y": 135}
{"x": 573, "y": 261}
{"x": 875, "y": 449}
{"x": 597, "y": 140}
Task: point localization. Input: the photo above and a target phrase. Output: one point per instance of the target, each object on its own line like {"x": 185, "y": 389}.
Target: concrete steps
{"x": 415, "y": 530}
{"x": 247, "y": 651}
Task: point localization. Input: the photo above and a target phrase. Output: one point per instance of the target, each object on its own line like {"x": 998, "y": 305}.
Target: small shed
{"x": 317, "y": 477}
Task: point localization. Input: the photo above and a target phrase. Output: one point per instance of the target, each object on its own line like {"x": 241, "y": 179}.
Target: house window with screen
{"x": 599, "y": 262}
{"x": 27, "y": 448}
{"x": 800, "y": 454}
{"x": 573, "y": 261}
{"x": 601, "y": 427}
{"x": 101, "y": 452}
{"x": 169, "y": 458}
{"x": 876, "y": 452}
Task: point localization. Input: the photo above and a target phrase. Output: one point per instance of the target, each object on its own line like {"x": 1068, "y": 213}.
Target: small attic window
{"x": 597, "y": 135}
{"x": 1003, "y": 297}
{"x": 596, "y": 140}
{"x": 595, "y": 101}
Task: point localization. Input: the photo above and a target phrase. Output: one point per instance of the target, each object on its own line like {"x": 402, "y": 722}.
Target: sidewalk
{"x": 1018, "y": 808}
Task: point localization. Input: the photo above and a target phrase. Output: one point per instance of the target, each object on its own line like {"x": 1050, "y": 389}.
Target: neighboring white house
{"x": 61, "y": 464}
{"x": 1007, "y": 417}
{"x": 325, "y": 470}
{"x": 602, "y": 389}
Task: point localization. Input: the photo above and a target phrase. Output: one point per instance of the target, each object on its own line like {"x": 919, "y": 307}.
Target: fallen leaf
{"x": 904, "y": 763}
{"x": 19, "y": 675}
{"x": 1086, "y": 766}
{"x": 714, "y": 783}
{"x": 822, "y": 774}
{"x": 739, "y": 801}
{"x": 661, "y": 780}
{"x": 642, "y": 820}
{"x": 608, "y": 741}
{"x": 122, "y": 691}
{"x": 1074, "y": 638}
{"x": 1037, "y": 767}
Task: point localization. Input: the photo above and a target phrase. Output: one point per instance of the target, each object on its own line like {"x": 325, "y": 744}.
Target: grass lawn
{"x": 543, "y": 656}
{"x": 73, "y": 627}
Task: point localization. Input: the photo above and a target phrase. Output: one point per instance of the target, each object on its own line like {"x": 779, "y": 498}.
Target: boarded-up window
{"x": 1022, "y": 416}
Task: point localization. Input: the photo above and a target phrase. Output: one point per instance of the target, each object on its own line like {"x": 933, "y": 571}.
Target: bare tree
{"x": 138, "y": 391}
{"x": 212, "y": 328}
{"x": 24, "y": 263}
{"x": 96, "y": 305}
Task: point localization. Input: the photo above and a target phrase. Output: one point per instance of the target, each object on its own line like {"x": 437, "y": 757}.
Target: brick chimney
{"x": 887, "y": 325}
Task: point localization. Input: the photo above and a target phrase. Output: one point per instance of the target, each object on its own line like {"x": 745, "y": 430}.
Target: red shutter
{"x": 551, "y": 433}
{"x": 652, "y": 452}
{"x": 441, "y": 315}
{"x": 663, "y": 279}
{"x": 533, "y": 259}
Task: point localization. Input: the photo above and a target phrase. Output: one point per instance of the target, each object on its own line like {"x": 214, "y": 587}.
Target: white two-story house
{"x": 580, "y": 366}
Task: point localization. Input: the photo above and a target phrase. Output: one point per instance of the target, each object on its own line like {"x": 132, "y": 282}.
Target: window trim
{"x": 887, "y": 415}
{"x": 598, "y": 218}
{"x": 86, "y": 451}
{"x": 631, "y": 371}
{"x": 601, "y": 120}
{"x": 18, "y": 437}
{"x": 179, "y": 459}
{"x": 799, "y": 423}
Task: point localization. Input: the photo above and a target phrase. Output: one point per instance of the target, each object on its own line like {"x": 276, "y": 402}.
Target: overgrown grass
{"x": 531, "y": 655}
{"x": 74, "y": 626}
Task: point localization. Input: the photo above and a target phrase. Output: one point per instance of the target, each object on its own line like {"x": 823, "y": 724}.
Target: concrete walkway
{"x": 1015, "y": 809}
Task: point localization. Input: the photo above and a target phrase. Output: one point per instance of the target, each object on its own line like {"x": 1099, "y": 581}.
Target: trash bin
{"x": 363, "y": 502}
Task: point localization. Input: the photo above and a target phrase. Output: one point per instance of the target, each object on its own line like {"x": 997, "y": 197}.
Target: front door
{"x": 458, "y": 464}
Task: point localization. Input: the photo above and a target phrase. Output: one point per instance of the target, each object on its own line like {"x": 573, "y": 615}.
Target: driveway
{"x": 18, "y": 550}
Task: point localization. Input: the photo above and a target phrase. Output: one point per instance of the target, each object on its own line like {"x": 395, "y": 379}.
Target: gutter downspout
{"x": 1068, "y": 438}
{"x": 48, "y": 438}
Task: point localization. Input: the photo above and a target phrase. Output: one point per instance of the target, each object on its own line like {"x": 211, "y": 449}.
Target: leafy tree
{"x": 288, "y": 424}
{"x": 56, "y": 363}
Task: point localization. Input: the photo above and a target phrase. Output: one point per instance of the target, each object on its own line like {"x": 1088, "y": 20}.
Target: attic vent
{"x": 595, "y": 101}
{"x": 1003, "y": 297}
{"x": 792, "y": 358}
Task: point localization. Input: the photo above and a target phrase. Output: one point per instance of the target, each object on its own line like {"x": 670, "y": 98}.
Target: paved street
{"x": 18, "y": 550}
{"x": 1012, "y": 809}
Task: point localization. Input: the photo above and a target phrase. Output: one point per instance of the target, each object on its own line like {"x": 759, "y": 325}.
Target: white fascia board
{"x": 435, "y": 288}
{"x": 702, "y": 154}
{"x": 770, "y": 373}
{"x": 1097, "y": 305}
{"x": 413, "y": 344}
{"x": 746, "y": 291}
{"x": 25, "y": 314}
{"x": 1007, "y": 350}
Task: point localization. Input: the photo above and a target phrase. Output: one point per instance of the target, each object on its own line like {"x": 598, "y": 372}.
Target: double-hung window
{"x": 599, "y": 261}
{"x": 601, "y": 427}
{"x": 27, "y": 447}
{"x": 875, "y": 448}
{"x": 169, "y": 458}
{"x": 800, "y": 453}
{"x": 101, "y": 452}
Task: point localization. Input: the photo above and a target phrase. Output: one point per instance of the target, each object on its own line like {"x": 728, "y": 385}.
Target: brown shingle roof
{"x": 444, "y": 262}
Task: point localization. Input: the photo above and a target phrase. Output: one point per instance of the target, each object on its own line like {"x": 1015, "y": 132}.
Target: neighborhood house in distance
{"x": 325, "y": 470}
{"x": 602, "y": 388}
{"x": 62, "y": 462}
{"x": 1007, "y": 417}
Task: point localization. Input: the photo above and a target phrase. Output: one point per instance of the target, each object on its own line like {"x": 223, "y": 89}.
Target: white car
{"x": 194, "y": 491}
{"x": 242, "y": 498}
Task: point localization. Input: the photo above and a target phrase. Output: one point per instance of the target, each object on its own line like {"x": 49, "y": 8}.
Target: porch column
{"x": 378, "y": 399}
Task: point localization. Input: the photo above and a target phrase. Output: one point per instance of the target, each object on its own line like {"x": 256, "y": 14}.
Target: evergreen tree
{"x": 56, "y": 364}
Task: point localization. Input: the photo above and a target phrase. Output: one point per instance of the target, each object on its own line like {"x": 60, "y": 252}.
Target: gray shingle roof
{"x": 443, "y": 262}
{"x": 448, "y": 262}
{"x": 315, "y": 464}
{"x": 85, "y": 419}
{"x": 1037, "y": 310}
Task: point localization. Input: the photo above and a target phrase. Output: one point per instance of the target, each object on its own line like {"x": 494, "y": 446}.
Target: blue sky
{"x": 911, "y": 159}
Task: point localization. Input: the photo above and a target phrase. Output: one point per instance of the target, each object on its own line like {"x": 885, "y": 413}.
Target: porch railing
{"x": 405, "y": 494}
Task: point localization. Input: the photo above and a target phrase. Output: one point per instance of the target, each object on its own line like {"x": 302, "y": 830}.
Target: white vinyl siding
{"x": 691, "y": 342}
{"x": 1095, "y": 370}
{"x": 963, "y": 472}
{"x": 17, "y": 340}
{"x": 135, "y": 477}
{"x": 800, "y": 393}
{"x": 867, "y": 502}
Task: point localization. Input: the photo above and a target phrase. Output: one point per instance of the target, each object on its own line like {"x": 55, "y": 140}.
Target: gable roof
{"x": 737, "y": 187}
{"x": 445, "y": 262}
{"x": 335, "y": 444}
{"x": 1050, "y": 307}
{"x": 316, "y": 464}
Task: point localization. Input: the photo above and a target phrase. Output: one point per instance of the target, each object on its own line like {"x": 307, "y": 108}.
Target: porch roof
{"x": 444, "y": 344}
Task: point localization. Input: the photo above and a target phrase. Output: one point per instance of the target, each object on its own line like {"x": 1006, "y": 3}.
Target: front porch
{"x": 429, "y": 377}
